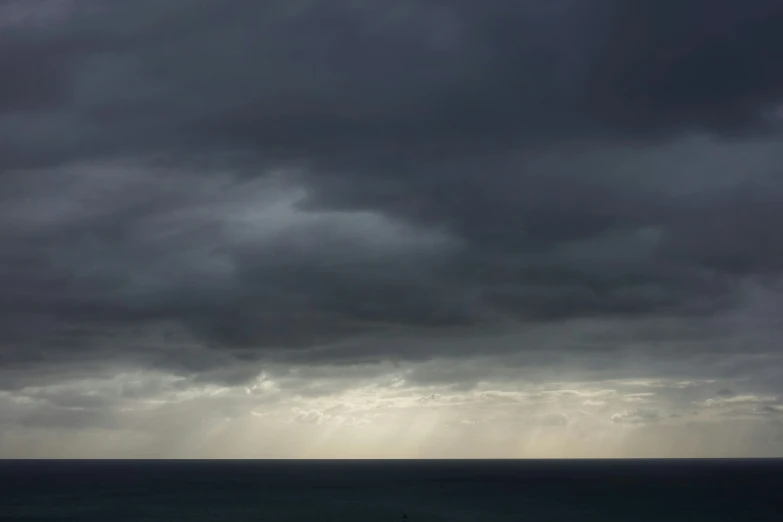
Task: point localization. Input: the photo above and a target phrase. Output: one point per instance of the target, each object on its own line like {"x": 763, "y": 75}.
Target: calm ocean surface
{"x": 377, "y": 491}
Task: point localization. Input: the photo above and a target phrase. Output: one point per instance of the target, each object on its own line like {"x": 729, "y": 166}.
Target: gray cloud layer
{"x": 250, "y": 177}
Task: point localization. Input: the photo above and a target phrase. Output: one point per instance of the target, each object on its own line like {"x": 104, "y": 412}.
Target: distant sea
{"x": 381, "y": 491}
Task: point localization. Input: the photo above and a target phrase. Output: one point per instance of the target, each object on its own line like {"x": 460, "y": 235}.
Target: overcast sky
{"x": 373, "y": 228}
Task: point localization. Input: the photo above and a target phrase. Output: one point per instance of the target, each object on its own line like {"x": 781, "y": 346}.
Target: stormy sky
{"x": 364, "y": 228}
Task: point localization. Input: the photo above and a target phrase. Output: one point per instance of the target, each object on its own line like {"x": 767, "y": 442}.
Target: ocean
{"x": 380, "y": 491}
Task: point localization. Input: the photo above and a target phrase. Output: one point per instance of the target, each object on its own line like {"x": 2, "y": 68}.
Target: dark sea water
{"x": 377, "y": 491}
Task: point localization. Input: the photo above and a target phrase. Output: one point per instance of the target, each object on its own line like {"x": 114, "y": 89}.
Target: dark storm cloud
{"x": 308, "y": 79}
{"x": 38, "y": 79}
{"x": 698, "y": 63}
{"x": 733, "y": 230}
{"x": 494, "y": 152}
